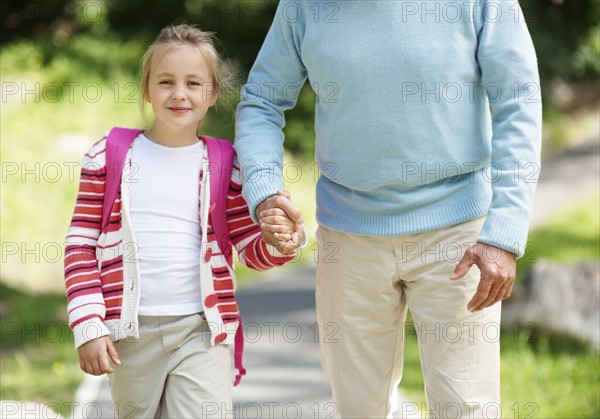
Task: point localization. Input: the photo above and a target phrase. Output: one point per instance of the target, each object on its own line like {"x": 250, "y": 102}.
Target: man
{"x": 429, "y": 114}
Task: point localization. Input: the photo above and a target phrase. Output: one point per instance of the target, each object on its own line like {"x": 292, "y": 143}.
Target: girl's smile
{"x": 179, "y": 109}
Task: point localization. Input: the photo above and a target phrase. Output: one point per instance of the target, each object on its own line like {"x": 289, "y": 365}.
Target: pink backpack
{"x": 220, "y": 158}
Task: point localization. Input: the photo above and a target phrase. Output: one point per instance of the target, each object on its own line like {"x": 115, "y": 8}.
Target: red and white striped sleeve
{"x": 86, "y": 307}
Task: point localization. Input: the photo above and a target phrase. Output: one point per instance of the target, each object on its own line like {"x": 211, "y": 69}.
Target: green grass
{"x": 548, "y": 376}
{"x": 38, "y": 359}
{"x": 572, "y": 235}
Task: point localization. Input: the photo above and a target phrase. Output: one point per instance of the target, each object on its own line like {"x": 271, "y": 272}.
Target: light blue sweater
{"x": 428, "y": 114}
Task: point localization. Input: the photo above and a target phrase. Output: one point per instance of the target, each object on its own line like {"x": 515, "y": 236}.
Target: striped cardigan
{"x": 101, "y": 268}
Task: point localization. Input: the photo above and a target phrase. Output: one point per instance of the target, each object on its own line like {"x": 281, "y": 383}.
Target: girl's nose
{"x": 179, "y": 93}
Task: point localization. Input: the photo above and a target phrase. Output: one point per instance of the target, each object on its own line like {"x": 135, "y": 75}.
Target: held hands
{"x": 93, "y": 356}
{"x": 498, "y": 268}
{"x": 281, "y": 222}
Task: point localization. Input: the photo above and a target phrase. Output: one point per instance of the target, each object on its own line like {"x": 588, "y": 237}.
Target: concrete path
{"x": 285, "y": 378}
{"x": 567, "y": 178}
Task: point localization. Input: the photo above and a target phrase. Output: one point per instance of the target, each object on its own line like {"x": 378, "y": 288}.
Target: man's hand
{"x": 281, "y": 222}
{"x": 498, "y": 269}
{"x": 93, "y": 356}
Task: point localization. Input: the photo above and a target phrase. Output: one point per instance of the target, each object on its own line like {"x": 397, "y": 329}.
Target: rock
{"x": 559, "y": 298}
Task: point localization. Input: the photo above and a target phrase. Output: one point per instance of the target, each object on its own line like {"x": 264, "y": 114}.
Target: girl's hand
{"x": 94, "y": 355}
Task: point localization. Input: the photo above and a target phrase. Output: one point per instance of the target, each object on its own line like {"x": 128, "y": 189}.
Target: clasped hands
{"x": 281, "y": 222}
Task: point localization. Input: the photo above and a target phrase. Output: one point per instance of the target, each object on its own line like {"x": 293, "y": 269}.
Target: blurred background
{"x": 69, "y": 72}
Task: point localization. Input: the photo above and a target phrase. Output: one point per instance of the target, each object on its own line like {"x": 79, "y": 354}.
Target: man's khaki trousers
{"x": 365, "y": 286}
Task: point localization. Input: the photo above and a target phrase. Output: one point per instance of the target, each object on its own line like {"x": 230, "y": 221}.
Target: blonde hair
{"x": 173, "y": 36}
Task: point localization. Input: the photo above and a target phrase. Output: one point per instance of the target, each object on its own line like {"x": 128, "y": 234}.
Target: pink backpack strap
{"x": 117, "y": 145}
{"x": 220, "y": 158}
{"x": 238, "y": 352}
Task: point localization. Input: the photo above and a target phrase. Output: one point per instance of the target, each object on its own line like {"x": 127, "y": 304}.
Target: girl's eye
{"x": 167, "y": 82}
{"x": 194, "y": 83}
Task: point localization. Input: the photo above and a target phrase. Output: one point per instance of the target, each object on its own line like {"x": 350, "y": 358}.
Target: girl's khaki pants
{"x": 172, "y": 371}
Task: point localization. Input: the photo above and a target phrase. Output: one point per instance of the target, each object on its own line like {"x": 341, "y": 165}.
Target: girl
{"x": 151, "y": 297}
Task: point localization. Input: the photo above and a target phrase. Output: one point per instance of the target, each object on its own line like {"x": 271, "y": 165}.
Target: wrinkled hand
{"x": 498, "y": 269}
{"x": 281, "y": 222}
{"x": 94, "y": 355}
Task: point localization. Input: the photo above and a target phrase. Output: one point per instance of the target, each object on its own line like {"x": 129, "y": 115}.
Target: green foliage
{"x": 74, "y": 60}
{"x": 562, "y": 31}
{"x": 587, "y": 57}
{"x": 570, "y": 236}
{"x": 38, "y": 359}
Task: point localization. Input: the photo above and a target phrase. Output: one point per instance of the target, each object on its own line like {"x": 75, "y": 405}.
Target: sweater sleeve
{"x": 260, "y": 114}
{"x": 86, "y": 305}
{"x": 510, "y": 78}
{"x": 245, "y": 233}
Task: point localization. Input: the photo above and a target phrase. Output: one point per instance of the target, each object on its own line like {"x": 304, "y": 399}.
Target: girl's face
{"x": 181, "y": 90}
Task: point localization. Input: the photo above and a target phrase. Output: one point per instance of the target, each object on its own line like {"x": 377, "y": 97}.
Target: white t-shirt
{"x": 164, "y": 205}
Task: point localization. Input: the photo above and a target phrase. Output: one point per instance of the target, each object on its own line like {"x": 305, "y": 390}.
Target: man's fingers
{"x": 274, "y": 212}
{"x": 463, "y": 266}
{"x": 283, "y": 237}
{"x": 508, "y": 290}
{"x": 483, "y": 292}
{"x": 292, "y": 211}
{"x": 276, "y": 228}
{"x": 285, "y": 193}
{"x": 277, "y": 220}
{"x": 284, "y": 203}
{"x": 492, "y": 294}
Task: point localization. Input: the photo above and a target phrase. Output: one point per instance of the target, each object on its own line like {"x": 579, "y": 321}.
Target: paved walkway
{"x": 566, "y": 179}
{"x": 282, "y": 355}
{"x": 285, "y": 378}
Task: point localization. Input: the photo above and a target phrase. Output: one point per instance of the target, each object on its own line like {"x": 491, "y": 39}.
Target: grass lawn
{"x": 38, "y": 359}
